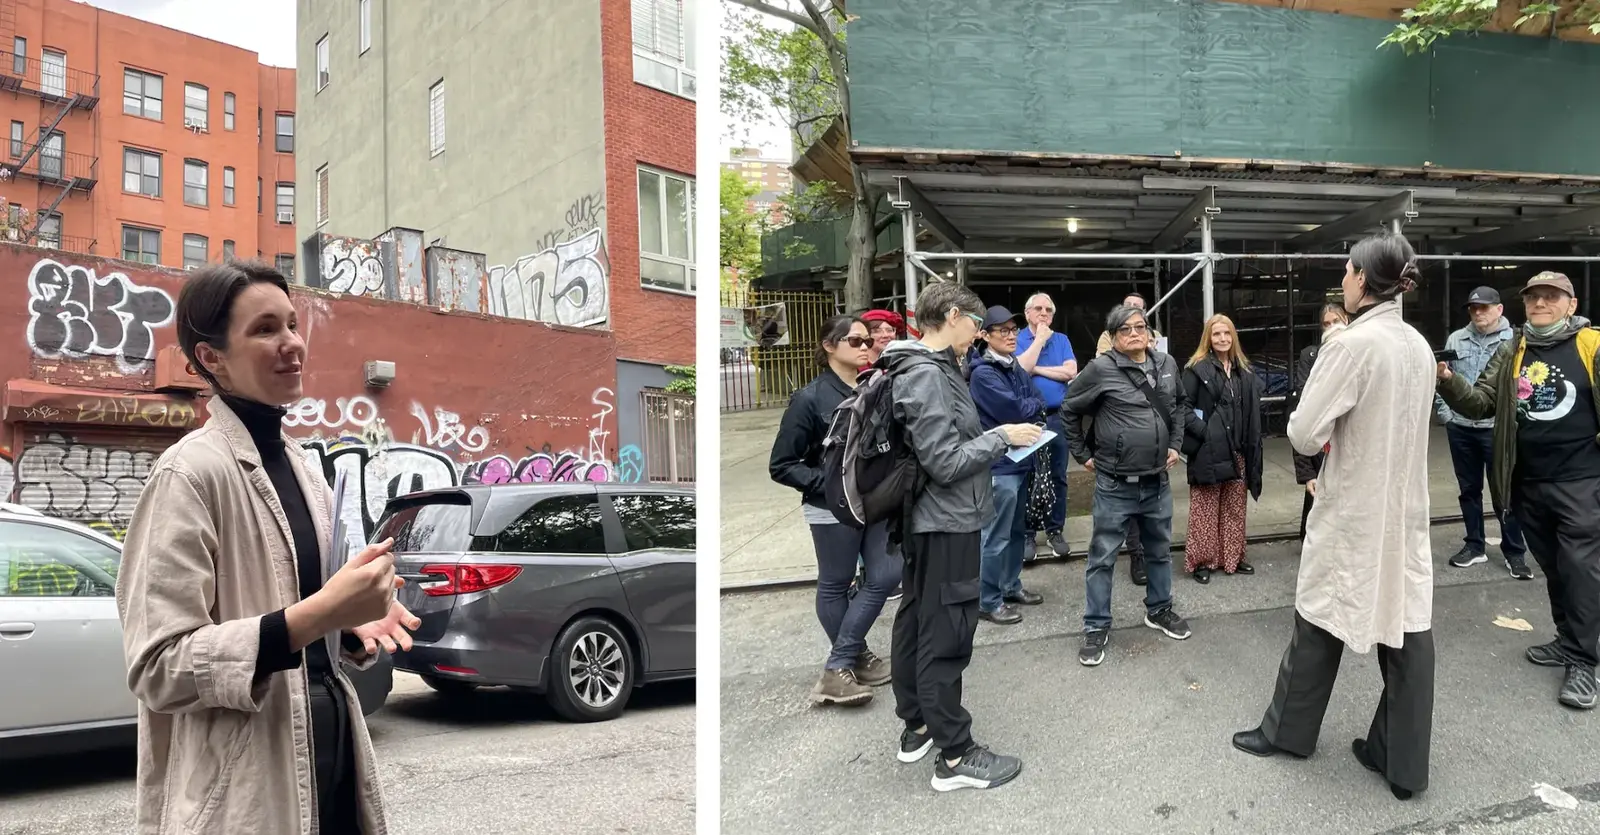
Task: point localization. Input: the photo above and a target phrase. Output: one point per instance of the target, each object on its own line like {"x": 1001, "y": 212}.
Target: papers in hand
{"x": 1020, "y": 453}
{"x": 336, "y": 552}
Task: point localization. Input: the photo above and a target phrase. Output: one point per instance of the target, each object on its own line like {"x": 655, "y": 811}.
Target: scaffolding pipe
{"x": 1208, "y": 282}
{"x": 908, "y": 245}
{"x": 1163, "y": 300}
{"x": 1227, "y": 256}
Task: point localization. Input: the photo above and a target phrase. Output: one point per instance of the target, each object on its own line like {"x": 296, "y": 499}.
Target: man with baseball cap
{"x": 1004, "y": 394}
{"x": 1472, "y": 441}
{"x": 1543, "y": 387}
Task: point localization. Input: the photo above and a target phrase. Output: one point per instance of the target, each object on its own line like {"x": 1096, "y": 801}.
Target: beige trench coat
{"x": 1366, "y": 570}
{"x": 207, "y": 554}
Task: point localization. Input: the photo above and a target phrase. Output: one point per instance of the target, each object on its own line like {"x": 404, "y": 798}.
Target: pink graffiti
{"x": 540, "y": 468}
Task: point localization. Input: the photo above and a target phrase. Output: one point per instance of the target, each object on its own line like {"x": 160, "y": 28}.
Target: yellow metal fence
{"x": 760, "y": 378}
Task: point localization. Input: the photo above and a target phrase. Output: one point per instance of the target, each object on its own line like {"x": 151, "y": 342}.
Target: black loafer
{"x": 1005, "y": 616}
{"x": 1025, "y": 598}
{"x": 1202, "y": 575}
{"x": 1255, "y": 742}
{"x": 1244, "y": 568}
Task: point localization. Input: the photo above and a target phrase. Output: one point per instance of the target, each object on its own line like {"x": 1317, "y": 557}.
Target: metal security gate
{"x": 757, "y": 378}
{"x": 668, "y": 436}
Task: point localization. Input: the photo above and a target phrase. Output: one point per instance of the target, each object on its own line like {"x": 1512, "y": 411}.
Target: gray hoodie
{"x": 933, "y": 403}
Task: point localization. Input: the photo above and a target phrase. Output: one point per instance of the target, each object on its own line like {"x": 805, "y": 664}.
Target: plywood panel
{"x": 1204, "y": 78}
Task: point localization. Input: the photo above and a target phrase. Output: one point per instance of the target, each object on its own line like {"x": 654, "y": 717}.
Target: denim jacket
{"x": 1473, "y": 350}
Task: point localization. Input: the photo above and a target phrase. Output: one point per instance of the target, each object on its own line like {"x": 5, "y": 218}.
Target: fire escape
{"x": 41, "y": 155}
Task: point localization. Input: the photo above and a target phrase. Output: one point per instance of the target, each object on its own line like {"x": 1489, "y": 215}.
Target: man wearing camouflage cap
{"x": 1543, "y": 387}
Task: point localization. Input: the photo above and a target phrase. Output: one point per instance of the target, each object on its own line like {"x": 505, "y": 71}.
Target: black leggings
{"x": 338, "y": 809}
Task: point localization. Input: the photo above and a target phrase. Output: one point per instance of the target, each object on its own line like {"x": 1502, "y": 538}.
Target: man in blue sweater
{"x": 1004, "y": 395}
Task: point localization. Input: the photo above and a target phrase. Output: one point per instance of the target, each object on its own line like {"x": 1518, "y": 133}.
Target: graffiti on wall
{"x": 75, "y": 314}
{"x": 311, "y": 412}
{"x": 352, "y": 266}
{"x": 96, "y": 485}
{"x": 563, "y": 285}
{"x": 445, "y": 431}
{"x": 583, "y": 216}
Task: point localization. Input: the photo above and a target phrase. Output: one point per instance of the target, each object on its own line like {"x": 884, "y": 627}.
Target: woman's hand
{"x": 1311, "y": 487}
{"x": 1020, "y": 434}
{"x": 363, "y": 590}
{"x": 390, "y": 632}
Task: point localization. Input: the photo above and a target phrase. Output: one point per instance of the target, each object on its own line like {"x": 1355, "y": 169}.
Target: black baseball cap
{"x": 1483, "y": 295}
{"x": 998, "y": 315}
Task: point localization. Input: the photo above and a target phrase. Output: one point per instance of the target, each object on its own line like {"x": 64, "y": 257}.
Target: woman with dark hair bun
{"x": 851, "y": 669}
{"x": 1366, "y": 569}
{"x": 247, "y": 723}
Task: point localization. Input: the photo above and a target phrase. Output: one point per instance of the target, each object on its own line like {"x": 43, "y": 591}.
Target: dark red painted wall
{"x": 474, "y": 398}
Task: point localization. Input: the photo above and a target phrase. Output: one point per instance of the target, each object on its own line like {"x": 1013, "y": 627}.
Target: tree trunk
{"x": 863, "y": 246}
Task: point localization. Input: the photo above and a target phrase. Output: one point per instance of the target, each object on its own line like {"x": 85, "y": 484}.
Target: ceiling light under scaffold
{"x": 1072, "y": 226}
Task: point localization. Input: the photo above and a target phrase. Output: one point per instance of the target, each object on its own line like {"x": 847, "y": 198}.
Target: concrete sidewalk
{"x": 1140, "y": 744}
{"x": 764, "y": 538}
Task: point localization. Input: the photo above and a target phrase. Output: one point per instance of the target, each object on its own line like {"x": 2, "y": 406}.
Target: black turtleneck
{"x": 265, "y": 425}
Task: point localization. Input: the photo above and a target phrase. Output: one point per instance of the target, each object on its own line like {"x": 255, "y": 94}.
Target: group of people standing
{"x": 1366, "y": 395}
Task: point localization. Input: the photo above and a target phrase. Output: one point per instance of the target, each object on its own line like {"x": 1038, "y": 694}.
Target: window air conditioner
{"x": 286, "y": 217}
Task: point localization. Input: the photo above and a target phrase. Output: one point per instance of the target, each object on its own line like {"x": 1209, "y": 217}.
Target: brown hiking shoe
{"x": 871, "y": 670}
{"x": 839, "y": 687}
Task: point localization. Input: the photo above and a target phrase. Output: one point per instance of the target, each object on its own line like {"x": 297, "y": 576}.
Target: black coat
{"x": 1232, "y": 425}
{"x": 797, "y": 451}
{"x": 1306, "y": 467}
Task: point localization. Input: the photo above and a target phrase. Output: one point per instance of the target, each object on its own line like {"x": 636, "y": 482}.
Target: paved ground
{"x": 499, "y": 763}
{"x": 765, "y": 539}
{"x": 1140, "y": 744}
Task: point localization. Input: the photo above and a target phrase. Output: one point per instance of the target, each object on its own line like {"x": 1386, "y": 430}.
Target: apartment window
{"x": 195, "y": 251}
{"x": 258, "y": 126}
{"x": 436, "y": 119}
{"x": 285, "y": 203}
{"x": 228, "y": 105}
{"x": 196, "y": 106}
{"x": 52, "y": 156}
{"x": 285, "y": 133}
{"x": 666, "y": 230}
{"x": 196, "y": 176}
{"x": 663, "y": 45}
{"x": 17, "y": 130}
{"x": 366, "y": 26}
{"x": 50, "y": 231}
{"x": 227, "y": 187}
{"x": 322, "y": 63}
{"x": 141, "y": 94}
{"x": 141, "y": 173}
{"x": 258, "y": 195}
{"x": 142, "y": 245}
{"x": 53, "y": 73}
{"x": 322, "y": 196}
{"x": 285, "y": 264}
{"x": 227, "y": 250}
{"x": 19, "y": 56}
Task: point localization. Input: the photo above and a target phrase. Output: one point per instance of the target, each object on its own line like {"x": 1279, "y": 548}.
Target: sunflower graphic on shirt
{"x": 1543, "y": 392}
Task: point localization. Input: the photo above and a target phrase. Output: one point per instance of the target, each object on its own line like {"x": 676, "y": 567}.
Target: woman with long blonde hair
{"x": 1222, "y": 441}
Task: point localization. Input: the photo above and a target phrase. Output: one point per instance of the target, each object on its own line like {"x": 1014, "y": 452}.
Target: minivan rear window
{"x": 428, "y": 527}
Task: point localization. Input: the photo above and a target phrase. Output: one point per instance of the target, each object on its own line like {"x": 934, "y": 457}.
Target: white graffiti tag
{"x": 563, "y": 285}
{"x": 599, "y": 435}
{"x": 90, "y": 484}
{"x": 352, "y": 267}
{"x": 376, "y": 476}
{"x": 448, "y": 432}
{"x": 74, "y": 314}
{"x": 358, "y": 411}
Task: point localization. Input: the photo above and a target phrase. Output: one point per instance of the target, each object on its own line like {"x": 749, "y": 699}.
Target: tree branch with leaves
{"x": 802, "y": 74}
{"x": 1430, "y": 20}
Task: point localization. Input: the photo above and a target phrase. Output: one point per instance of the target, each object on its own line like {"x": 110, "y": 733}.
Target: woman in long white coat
{"x": 1366, "y": 570}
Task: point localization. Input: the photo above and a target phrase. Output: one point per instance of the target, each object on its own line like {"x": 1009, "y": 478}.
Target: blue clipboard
{"x": 1045, "y": 437}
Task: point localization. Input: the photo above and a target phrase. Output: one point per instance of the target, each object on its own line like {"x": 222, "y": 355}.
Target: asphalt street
{"x": 1141, "y": 743}
{"x": 498, "y": 762}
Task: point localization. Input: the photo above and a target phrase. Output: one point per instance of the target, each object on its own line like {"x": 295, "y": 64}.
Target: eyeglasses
{"x": 1010, "y": 330}
{"x": 858, "y": 341}
{"x": 1039, "y": 308}
{"x": 976, "y": 320}
{"x": 1132, "y": 329}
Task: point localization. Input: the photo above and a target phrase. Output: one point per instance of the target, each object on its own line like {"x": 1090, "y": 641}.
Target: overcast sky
{"x": 773, "y": 136}
{"x": 264, "y": 26}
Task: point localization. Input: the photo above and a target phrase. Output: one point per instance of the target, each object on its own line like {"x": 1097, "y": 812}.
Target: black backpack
{"x": 870, "y": 473}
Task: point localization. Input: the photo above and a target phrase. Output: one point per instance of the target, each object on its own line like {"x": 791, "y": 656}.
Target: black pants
{"x": 1402, "y": 727}
{"x": 331, "y": 742}
{"x": 1561, "y": 524}
{"x": 1305, "y": 513}
{"x": 933, "y": 636}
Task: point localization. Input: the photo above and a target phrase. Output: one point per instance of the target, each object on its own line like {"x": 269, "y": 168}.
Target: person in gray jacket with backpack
{"x": 1472, "y": 441}
{"x": 1132, "y": 394}
{"x": 941, "y": 537}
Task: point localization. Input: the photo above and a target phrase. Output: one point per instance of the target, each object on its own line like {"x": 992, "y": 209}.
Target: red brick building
{"x": 136, "y": 141}
{"x": 100, "y": 389}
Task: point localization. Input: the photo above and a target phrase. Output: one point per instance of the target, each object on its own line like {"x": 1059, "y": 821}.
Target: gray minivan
{"x": 579, "y": 591}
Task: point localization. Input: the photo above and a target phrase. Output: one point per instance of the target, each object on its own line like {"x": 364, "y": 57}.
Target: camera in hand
{"x": 1447, "y": 355}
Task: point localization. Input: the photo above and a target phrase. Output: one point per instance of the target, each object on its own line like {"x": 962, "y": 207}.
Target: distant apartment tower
{"x": 555, "y": 137}
{"x": 771, "y": 176}
{"x": 131, "y": 140}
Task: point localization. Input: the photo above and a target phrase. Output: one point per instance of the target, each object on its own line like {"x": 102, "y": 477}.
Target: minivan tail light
{"x": 467, "y": 578}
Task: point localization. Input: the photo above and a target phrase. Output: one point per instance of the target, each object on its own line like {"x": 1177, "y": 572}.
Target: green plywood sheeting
{"x": 1213, "y": 79}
